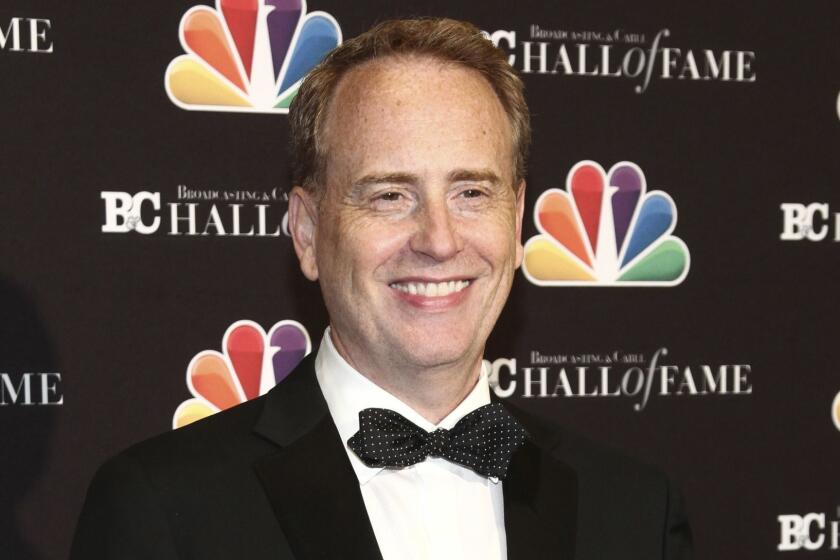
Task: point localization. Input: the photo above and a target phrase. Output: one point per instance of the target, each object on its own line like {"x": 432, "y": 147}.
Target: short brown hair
{"x": 445, "y": 39}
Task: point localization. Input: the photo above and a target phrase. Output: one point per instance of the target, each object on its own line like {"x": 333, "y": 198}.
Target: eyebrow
{"x": 399, "y": 178}
{"x": 475, "y": 175}
{"x": 384, "y": 178}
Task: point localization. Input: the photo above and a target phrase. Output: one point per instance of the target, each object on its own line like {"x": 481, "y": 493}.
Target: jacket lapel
{"x": 540, "y": 496}
{"x": 317, "y": 501}
{"x": 309, "y": 481}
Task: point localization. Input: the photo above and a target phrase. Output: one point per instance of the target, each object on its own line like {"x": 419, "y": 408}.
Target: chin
{"x": 431, "y": 353}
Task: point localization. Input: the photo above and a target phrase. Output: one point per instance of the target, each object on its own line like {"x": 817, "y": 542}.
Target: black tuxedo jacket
{"x": 270, "y": 479}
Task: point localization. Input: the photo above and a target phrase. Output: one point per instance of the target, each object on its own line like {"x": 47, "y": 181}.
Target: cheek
{"x": 494, "y": 234}
{"x": 363, "y": 249}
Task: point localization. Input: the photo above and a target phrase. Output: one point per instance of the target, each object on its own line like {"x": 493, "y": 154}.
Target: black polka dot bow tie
{"x": 483, "y": 440}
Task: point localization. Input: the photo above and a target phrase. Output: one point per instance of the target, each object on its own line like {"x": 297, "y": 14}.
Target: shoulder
{"x": 225, "y": 444}
{"x": 174, "y": 489}
{"x": 626, "y": 508}
{"x": 193, "y": 451}
{"x": 595, "y": 464}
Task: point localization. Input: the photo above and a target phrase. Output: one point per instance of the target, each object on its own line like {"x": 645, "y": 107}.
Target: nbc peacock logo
{"x": 243, "y": 370}
{"x": 605, "y": 230}
{"x": 247, "y": 55}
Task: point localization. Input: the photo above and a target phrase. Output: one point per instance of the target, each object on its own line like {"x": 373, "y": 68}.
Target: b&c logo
{"x": 30, "y": 389}
{"x": 605, "y": 230}
{"x": 26, "y": 35}
{"x": 248, "y": 55}
{"x": 808, "y": 221}
{"x": 811, "y": 531}
{"x": 209, "y": 212}
{"x": 250, "y": 364}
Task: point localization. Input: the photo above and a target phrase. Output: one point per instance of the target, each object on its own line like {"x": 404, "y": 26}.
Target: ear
{"x": 520, "y": 212}
{"x": 303, "y": 225}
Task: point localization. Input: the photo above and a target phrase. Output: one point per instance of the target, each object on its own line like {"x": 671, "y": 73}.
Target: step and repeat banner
{"x": 677, "y": 300}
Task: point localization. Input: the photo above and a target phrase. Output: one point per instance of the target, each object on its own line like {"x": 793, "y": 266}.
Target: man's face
{"x": 417, "y": 236}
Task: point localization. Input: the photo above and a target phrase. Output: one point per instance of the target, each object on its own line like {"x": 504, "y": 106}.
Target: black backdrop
{"x": 119, "y": 316}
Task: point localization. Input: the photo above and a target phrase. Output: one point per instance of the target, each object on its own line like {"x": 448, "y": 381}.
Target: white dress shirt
{"x": 434, "y": 510}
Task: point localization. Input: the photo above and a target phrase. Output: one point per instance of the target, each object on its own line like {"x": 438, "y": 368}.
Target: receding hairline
{"x": 442, "y": 39}
{"x": 402, "y": 58}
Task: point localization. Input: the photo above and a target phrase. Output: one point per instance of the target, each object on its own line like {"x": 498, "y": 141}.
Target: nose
{"x": 437, "y": 232}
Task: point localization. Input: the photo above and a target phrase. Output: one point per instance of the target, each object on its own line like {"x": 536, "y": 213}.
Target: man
{"x": 409, "y": 146}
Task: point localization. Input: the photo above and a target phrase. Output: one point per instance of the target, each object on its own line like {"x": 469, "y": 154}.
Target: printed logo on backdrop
{"x": 605, "y": 229}
{"x": 195, "y": 211}
{"x": 809, "y": 222}
{"x": 619, "y": 54}
{"x": 809, "y": 532}
{"x": 633, "y": 377}
{"x": 24, "y": 34}
{"x": 30, "y": 389}
{"x": 812, "y": 222}
{"x": 247, "y": 55}
{"x": 250, "y": 364}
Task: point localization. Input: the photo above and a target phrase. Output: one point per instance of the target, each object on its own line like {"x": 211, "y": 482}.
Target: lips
{"x": 431, "y": 289}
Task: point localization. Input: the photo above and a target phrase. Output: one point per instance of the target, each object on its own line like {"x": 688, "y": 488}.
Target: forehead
{"x": 412, "y": 111}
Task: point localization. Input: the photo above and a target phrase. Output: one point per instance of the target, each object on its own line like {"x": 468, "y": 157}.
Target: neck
{"x": 431, "y": 391}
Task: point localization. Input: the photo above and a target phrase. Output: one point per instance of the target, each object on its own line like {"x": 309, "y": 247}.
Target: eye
{"x": 390, "y": 196}
{"x": 472, "y": 193}
{"x": 390, "y": 201}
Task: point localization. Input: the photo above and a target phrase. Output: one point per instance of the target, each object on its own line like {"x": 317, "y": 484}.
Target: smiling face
{"x": 417, "y": 235}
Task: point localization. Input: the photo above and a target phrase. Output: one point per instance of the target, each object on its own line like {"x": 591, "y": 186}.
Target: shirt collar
{"x": 348, "y": 392}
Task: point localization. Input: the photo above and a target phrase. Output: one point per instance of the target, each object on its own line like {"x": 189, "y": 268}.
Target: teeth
{"x": 432, "y": 289}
